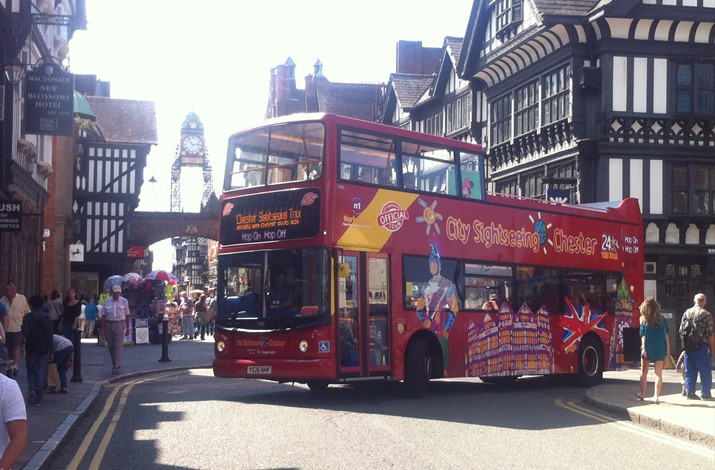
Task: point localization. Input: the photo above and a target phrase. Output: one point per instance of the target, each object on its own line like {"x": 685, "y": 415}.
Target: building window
{"x": 458, "y": 113}
{"x": 508, "y": 12}
{"x": 501, "y": 120}
{"x": 532, "y": 186}
{"x": 509, "y": 187}
{"x": 552, "y": 91}
{"x": 556, "y": 98}
{"x": 693, "y": 189}
{"x": 433, "y": 124}
{"x": 526, "y": 109}
{"x": 695, "y": 88}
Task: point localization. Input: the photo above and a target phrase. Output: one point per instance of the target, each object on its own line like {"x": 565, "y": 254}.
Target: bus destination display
{"x": 282, "y": 215}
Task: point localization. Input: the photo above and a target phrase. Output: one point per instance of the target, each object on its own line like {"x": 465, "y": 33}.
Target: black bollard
{"x": 165, "y": 340}
{"x": 77, "y": 360}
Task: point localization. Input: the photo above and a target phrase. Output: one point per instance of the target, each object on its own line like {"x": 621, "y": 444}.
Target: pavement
{"x": 51, "y": 421}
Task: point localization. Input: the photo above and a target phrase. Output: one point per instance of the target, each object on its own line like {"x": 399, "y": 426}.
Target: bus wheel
{"x": 317, "y": 385}
{"x": 418, "y": 368}
{"x": 590, "y": 362}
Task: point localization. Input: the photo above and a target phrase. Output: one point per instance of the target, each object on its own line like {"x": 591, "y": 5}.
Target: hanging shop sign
{"x": 77, "y": 253}
{"x": 49, "y": 100}
{"x": 135, "y": 251}
{"x": 10, "y": 216}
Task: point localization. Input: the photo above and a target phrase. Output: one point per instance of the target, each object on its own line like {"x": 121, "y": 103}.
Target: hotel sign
{"x": 49, "y": 100}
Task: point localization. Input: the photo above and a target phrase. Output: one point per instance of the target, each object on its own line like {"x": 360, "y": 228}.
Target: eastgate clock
{"x": 192, "y": 143}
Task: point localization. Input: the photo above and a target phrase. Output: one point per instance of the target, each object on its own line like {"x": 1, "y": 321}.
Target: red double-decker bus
{"x": 352, "y": 251}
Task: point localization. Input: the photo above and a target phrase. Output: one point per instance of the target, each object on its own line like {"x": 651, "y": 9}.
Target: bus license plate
{"x": 259, "y": 370}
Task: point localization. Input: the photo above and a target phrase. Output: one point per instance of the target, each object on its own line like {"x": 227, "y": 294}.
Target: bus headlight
{"x": 220, "y": 346}
{"x": 303, "y": 345}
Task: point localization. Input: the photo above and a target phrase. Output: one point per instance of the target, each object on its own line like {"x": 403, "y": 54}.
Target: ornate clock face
{"x": 192, "y": 143}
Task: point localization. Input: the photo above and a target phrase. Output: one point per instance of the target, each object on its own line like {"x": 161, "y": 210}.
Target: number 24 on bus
{"x": 352, "y": 251}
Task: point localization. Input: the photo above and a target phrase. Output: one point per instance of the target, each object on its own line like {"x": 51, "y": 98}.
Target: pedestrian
{"x": 90, "y": 317}
{"x": 187, "y": 311}
{"x": 37, "y": 329}
{"x": 202, "y": 319}
{"x": 101, "y": 338}
{"x": 699, "y": 359}
{"x": 655, "y": 345}
{"x": 4, "y": 312}
{"x": 680, "y": 367}
{"x": 17, "y": 307}
{"x": 71, "y": 310}
{"x": 211, "y": 309}
{"x": 13, "y": 437}
{"x": 54, "y": 306}
{"x": 62, "y": 353}
{"x": 116, "y": 324}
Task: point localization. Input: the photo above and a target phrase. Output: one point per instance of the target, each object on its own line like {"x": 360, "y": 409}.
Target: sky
{"x": 214, "y": 57}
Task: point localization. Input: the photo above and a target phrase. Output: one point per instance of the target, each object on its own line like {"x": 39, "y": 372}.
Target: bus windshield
{"x": 274, "y": 289}
{"x": 274, "y": 155}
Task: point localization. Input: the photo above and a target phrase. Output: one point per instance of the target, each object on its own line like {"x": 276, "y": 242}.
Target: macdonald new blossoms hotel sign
{"x": 49, "y": 100}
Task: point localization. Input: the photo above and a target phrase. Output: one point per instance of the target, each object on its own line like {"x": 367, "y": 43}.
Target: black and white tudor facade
{"x": 584, "y": 101}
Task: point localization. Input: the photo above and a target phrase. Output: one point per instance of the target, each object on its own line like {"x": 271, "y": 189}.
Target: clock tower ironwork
{"x": 191, "y": 252}
{"x": 191, "y": 152}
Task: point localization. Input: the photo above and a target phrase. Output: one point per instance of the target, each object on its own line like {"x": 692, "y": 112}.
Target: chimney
{"x": 409, "y": 57}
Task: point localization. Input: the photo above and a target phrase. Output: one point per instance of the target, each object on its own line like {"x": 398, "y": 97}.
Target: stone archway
{"x": 147, "y": 228}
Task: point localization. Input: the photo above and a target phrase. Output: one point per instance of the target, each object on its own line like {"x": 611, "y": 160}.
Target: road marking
{"x": 125, "y": 388}
{"x": 636, "y": 429}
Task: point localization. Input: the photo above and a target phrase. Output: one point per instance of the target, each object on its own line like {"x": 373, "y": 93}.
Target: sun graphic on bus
{"x": 429, "y": 216}
{"x": 542, "y": 228}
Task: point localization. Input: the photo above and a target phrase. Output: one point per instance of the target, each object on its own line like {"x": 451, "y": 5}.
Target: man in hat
{"x": 116, "y": 320}
{"x": 491, "y": 304}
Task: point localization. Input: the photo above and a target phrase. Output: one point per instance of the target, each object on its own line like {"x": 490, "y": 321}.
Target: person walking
{"x": 116, "y": 324}
{"x": 202, "y": 318}
{"x": 54, "y": 306}
{"x": 211, "y": 310}
{"x": 187, "y": 312}
{"x": 62, "y": 352}
{"x": 71, "y": 310}
{"x": 17, "y": 307}
{"x": 655, "y": 345}
{"x": 90, "y": 317}
{"x": 37, "y": 329}
{"x": 13, "y": 416}
{"x": 700, "y": 321}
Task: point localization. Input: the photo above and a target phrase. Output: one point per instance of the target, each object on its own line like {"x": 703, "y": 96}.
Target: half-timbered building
{"x": 583, "y": 101}
{"x": 108, "y": 176}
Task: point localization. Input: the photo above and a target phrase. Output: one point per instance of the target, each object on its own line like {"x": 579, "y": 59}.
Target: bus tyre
{"x": 590, "y": 362}
{"x": 418, "y": 368}
{"x": 317, "y": 385}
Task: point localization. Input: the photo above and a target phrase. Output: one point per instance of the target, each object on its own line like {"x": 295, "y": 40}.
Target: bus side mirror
{"x": 343, "y": 270}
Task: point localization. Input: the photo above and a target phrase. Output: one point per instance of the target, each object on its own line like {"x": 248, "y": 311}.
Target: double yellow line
{"x": 635, "y": 429}
{"x": 125, "y": 389}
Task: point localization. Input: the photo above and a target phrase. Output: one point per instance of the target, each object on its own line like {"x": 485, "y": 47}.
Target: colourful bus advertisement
{"x": 353, "y": 251}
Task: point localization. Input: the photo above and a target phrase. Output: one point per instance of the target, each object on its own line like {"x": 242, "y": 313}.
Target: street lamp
{"x": 14, "y": 72}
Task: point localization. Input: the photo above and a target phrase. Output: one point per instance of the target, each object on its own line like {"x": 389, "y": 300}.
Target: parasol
{"x": 132, "y": 281}
{"x": 112, "y": 281}
{"x": 161, "y": 275}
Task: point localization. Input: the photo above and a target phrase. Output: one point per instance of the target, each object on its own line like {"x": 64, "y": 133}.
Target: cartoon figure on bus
{"x": 437, "y": 308}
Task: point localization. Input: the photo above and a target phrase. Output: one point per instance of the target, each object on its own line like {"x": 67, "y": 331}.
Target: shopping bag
{"x": 53, "y": 378}
{"x": 669, "y": 362}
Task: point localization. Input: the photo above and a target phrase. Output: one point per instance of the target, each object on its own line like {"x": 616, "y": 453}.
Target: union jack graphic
{"x": 578, "y": 321}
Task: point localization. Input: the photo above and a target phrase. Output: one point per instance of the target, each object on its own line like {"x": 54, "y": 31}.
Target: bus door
{"x": 363, "y": 314}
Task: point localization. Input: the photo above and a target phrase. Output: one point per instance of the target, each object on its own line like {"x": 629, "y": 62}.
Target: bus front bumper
{"x": 274, "y": 369}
